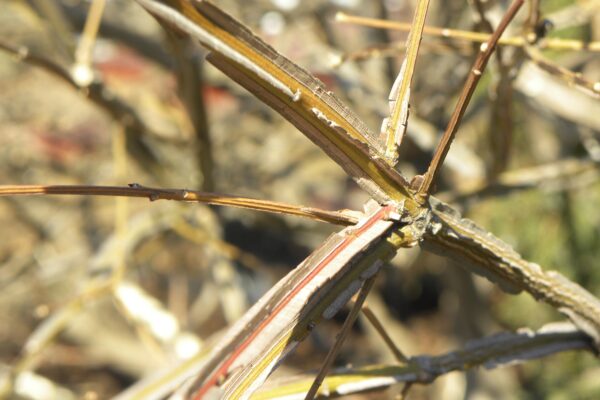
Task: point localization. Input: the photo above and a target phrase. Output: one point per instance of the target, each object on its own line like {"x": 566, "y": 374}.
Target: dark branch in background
{"x": 57, "y": 26}
{"x": 501, "y": 122}
{"x": 135, "y": 190}
{"x": 190, "y": 85}
{"x": 468, "y": 89}
{"x": 100, "y": 95}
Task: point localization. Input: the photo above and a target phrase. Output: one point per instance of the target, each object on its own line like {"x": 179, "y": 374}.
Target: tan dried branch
{"x": 83, "y": 72}
{"x": 344, "y": 217}
{"x": 394, "y": 49}
{"x": 545, "y": 43}
{"x": 560, "y": 175}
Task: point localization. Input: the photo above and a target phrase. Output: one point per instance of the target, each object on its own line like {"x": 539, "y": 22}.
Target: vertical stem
{"x": 395, "y": 126}
{"x": 190, "y": 85}
{"x": 83, "y": 53}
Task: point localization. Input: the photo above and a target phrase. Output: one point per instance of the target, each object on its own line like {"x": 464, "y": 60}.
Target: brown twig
{"x": 372, "y": 318}
{"x": 475, "y": 74}
{"x": 350, "y": 319}
{"x": 134, "y": 190}
{"x": 189, "y": 68}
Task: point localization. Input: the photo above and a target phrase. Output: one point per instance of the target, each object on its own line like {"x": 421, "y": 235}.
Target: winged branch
{"x": 320, "y": 286}
{"x": 235, "y": 368}
{"x": 491, "y": 352}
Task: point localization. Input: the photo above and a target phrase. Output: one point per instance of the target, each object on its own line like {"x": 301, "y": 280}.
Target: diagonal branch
{"x": 340, "y": 338}
{"x": 394, "y": 127}
{"x": 289, "y": 90}
{"x": 314, "y": 291}
{"x": 378, "y": 326}
{"x": 344, "y": 217}
{"x": 571, "y": 78}
{"x": 484, "y": 254}
{"x": 464, "y": 99}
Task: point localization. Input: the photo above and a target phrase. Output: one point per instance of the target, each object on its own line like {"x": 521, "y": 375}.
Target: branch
{"x": 135, "y": 190}
{"x": 380, "y": 329}
{"x": 340, "y": 338}
{"x": 570, "y": 77}
{"x": 545, "y": 43}
{"x": 314, "y": 291}
{"x": 559, "y": 175}
{"x": 496, "y": 351}
{"x": 82, "y": 70}
{"x": 464, "y": 99}
{"x": 394, "y": 127}
{"x": 484, "y": 254}
{"x": 288, "y": 89}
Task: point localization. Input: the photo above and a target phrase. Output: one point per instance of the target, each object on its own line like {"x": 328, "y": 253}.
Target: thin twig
{"x": 546, "y": 43}
{"x": 372, "y": 318}
{"x": 395, "y": 125}
{"x": 362, "y": 296}
{"x": 475, "y": 74}
{"x": 342, "y": 217}
{"x": 189, "y": 68}
{"x": 82, "y": 70}
{"x": 393, "y": 50}
{"x": 570, "y": 77}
